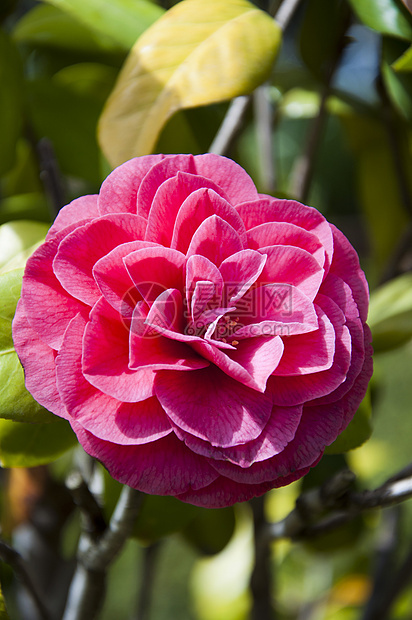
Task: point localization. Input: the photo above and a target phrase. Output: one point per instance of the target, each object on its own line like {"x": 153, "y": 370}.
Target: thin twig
{"x": 150, "y": 555}
{"x": 235, "y": 114}
{"x": 86, "y": 593}
{"x": 95, "y": 523}
{"x": 307, "y": 520}
{"x": 261, "y": 579}
{"x": 264, "y": 124}
{"x": 14, "y": 559}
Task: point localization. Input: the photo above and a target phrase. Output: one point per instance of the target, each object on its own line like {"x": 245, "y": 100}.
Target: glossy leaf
{"x": 11, "y": 101}
{"x": 122, "y": 20}
{"x": 390, "y": 313}
{"x": 49, "y": 26}
{"x": 398, "y": 85}
{"x": 357, "y": 432}
{"x": 199, "y": 52}
{"x": 404, "y": 62}
{"x": 385, "y": 16}
{"x": 29, "y": 445}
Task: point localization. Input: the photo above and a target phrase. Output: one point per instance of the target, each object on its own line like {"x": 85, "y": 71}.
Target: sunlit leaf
{"x": 385, "y": 16}
{"x": 11, "y": 101}
{"x": 29, "y": 445}
{"x": 404, "y": 62}
{"x": 122, "y": 20}
{"x": 17, "y": 238}
{"x": 357, "y": 432}
{"x": 199, "y": 52}
{"x": 390, "y": 313}
{"x": 398, "y": 85}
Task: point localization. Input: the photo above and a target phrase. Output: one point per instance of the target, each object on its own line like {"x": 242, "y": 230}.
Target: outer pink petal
{"x": 239, "y": 272}
{"x": 104, "y": 416}
{"x": 212, "y": 406}
{"x": 216, "y": 240}
{"x": 106, "y": 357}
{"x": 49, "y": 308}
{"x": 345, "y": 264}
{"x": 166, "y": 467}
{"x": 269, "y": 209}
{"x": 37, "y": 360}
{"x": 198, "y": 207}
{"x": 114, "y": 280}
{"x": 76, "y": 213}
{"x": 251, "y": 363}
{"x": 155, "y": 269}
{"x": 308, "y": 353}
{"x": 289, "y": 265}
{"x": 228, "y": 175}
{"x": 80, "y": 250}
{"x": 278, "y": 432}
{"x": 157, "y": 175}
{"x": 168, "y": 200}
{"x": 118, "y": 193}
{"x": 283, "y": 233}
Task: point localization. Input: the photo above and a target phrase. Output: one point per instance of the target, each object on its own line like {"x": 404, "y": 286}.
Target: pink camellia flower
{"x": 203, "y": 341}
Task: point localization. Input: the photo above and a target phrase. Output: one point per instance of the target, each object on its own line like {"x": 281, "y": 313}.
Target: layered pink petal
{"x": 228, "y": 175}
{"x": 284, "y": 233}
{"x": 102, "y": 415}
{"x": 170, "y": 469}
{"x": 239, "y": 272}
{"x": 311, "y": 352}
{"x": 79, "y": 251}
{"x": 155, "y": 269}
{"x": 212, "y": 406}
{"x": 201, "y": 269}
{"x": 196, "y": 209}
{"x": 78, "y": 212}
{"x": 278, "y": 432}
{"x": 37, "y": 360}
{"x": 269, "y": 209}
{"x": 148, "y": 349}
{"x": 167, "y": 203}
{"x": 114, "y": 281}
{"x": 290, "y": 265}
{"x": 251, "y": 363}
{"x": 216, "y": 240}
{"x": 105, "y": 362}
{"x": 118, "y": 193}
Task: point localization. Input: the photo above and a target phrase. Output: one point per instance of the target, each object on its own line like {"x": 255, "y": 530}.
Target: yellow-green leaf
{"x": 200, "y": 52}
{"x": 3, "y": 611}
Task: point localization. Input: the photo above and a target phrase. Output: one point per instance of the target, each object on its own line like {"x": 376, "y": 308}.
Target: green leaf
{"x": 16, "y": 242}
{"x": 385, "y": 16}
{"x": 199, "y": 52}
{"x": 49, "y": 26}
{"x": 122, "y": 20}
{"x": 404, "y": 62}
{"x": 211, "y": 530}
{"x": 30, "y": 206}
{"x": 29, "y": 445}
{"x": 398, "y": 85}
{"x": 390, "y": 313}
{"x": 357, "y": 432}
{"x": 16, "y": 403}
{"x": 3, "y": 611}
{"x": 11, "y": 101}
